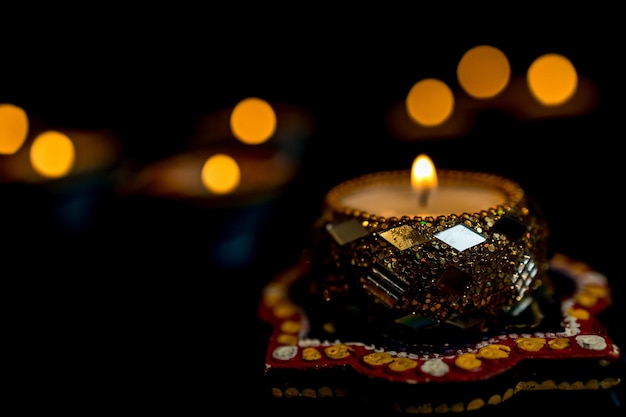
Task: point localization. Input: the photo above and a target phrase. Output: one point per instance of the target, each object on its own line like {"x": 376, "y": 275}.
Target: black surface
{"x": 129, "y": 312}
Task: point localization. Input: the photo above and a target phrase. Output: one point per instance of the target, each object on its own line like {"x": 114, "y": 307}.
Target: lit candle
{"x": 424, "y": 192}
{"x": 445, "y": 245}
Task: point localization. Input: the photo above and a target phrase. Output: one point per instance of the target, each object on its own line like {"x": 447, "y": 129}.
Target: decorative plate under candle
{"x": 561, "y": 346}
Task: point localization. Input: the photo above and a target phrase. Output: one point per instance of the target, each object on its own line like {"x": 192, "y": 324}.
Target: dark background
{"x": 130, "y": 306}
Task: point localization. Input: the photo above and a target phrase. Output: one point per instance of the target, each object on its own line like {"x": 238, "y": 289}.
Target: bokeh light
{"x": 430, "y": 102}
{"x": 52, "y": 154}
{"x": 483, "y": 71}
{"x": 14, "y": 127}
{"x": 253, "y": 121}
{"x": 552, "y": 79}
{"x": 221, "y": 174}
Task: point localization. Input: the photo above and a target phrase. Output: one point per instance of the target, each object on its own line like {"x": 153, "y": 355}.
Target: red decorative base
{"x": 482, "y": 371}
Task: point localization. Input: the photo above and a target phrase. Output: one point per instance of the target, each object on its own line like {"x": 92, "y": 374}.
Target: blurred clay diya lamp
{"x": 69, "y": 169}
{"x": 222, "y": 188}
{"x": 220, "y": 197}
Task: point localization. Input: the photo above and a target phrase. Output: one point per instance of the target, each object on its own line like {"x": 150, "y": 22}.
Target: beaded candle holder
{"x": 448, "y": 305}
{"x": 417, "y": 303}
{"x": 422, "y": 266}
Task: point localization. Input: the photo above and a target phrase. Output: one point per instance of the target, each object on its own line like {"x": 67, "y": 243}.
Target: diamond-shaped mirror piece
{"x": 460, "y": 237}
{"x": 384, "y": 284}
{"x": 403, "y": 237}
{"x": 453, "y": 280}
{"x": 346, "y": 232}
{"x": 511, "y": 227}
{"x": 415, "y": 321}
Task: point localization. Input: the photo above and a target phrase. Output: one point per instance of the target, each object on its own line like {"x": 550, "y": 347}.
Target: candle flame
{"x": 423, "y": 173}
{"x": 423, "y": 178}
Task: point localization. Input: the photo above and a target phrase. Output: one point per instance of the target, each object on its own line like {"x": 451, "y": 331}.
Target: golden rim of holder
{"x": 512, "y": 192}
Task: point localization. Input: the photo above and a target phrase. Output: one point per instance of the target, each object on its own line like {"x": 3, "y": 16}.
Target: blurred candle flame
{"x": 14, "y": 127}
{"x": 52, "y": 154}
{"x": 221, "y": 174}
{"x": 552, "y": 79}
{"x": 253, "y": 121}
{"x": 483, "y": 71}
{"x": 430, "y": 102}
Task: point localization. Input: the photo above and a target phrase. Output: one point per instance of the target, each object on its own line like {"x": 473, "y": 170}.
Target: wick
{"x": 423, "y": 197}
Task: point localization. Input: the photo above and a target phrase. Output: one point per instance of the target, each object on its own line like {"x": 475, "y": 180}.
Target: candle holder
{"x": 467, "y": 269}
{"x": 437, "y": 312}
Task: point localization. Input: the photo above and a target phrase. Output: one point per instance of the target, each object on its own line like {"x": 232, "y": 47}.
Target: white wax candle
{"x": 389, "y": 200}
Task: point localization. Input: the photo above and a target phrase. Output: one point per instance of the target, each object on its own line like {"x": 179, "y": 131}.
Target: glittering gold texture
{"x": 405, "y": 265}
